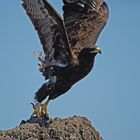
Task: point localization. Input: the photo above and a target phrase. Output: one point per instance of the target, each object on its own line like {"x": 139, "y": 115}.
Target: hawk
{"x": 69, "y": 44}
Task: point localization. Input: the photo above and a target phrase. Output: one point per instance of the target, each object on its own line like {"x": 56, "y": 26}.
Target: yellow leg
{"x": 44, "y": 109}
{"x": 36, "y": 110}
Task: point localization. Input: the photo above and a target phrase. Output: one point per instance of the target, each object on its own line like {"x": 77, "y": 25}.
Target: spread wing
{"x": 84, "y": 21}
{"x": 50, "y": 29}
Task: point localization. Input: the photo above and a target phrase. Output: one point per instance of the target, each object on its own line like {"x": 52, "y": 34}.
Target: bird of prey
{"x": 69, "y": 44}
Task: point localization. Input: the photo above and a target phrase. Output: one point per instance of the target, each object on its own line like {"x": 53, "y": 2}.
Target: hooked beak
{"x": 97, "y": 50}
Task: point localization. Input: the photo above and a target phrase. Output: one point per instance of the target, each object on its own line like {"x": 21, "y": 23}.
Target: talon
{"x": 36, "y": 111}
{"x": 40, "y": 110}
{"x": 33, "y": 105}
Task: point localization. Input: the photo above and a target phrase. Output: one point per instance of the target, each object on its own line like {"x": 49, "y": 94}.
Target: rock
{"x": 72, "y": 128}
{"x": 43, "y": 121}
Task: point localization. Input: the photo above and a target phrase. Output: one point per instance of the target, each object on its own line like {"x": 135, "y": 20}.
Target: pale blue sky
{"x": 109, "y": 96}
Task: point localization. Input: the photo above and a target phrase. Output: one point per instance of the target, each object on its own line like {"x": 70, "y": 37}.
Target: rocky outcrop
{"x": 72, "y": 128}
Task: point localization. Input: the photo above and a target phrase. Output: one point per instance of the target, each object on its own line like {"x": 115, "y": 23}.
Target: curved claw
{"x": 36, "y": 108}
{"x": 33, "y": 105}
{"x": 40, "y": 110}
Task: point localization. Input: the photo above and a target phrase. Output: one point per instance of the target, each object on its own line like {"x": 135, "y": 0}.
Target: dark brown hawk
{"x": 69, "y": 43}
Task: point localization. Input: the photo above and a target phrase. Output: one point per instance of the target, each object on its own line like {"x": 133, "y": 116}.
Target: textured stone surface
{"x": 72, "y": 128}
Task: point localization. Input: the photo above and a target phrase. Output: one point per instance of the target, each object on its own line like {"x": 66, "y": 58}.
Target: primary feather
{"x": 69, "y": 44}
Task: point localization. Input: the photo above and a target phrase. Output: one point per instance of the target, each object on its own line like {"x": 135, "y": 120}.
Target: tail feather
{"x": 44, "y": 91}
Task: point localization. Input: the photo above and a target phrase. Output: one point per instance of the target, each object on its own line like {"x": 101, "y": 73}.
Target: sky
{"x": 109, "y": 96}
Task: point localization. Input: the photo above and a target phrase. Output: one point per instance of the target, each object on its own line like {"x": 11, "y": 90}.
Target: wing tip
{"x": 106, "y": 7}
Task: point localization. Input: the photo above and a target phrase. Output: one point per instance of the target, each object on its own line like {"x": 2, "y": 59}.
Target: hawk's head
{"x": 89, "y": 53}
